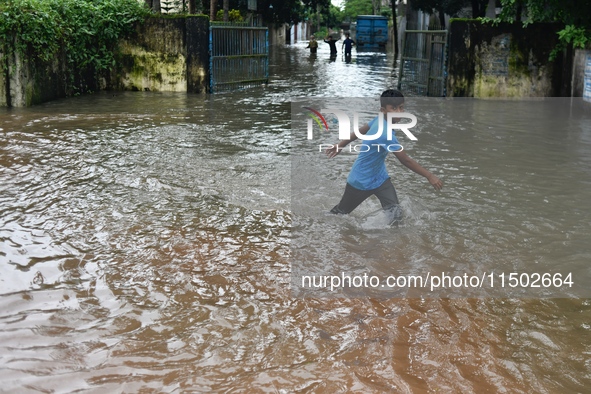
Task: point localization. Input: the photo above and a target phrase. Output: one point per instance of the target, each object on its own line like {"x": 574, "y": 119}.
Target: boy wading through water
{"x": 369, "y": 176}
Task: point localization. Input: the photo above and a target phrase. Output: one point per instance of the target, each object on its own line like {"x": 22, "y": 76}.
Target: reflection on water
{"x": 145, "y": 248}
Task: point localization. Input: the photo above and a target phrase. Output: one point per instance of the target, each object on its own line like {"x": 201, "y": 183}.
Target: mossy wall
{"x": 505, "y": 60}
{"x": 163, "y": 54}
{"x": 25, "y": 80}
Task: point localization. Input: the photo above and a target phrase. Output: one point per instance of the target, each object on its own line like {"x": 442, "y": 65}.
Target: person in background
{"x": 313, "y": 45}
{"x": 347, "y": 45}
{"x": 332, "y": 43}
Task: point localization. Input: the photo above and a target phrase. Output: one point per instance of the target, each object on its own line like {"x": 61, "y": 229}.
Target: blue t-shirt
{"x": 369, "y": 170}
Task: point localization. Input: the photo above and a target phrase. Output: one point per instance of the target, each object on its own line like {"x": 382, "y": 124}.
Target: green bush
{"x": 233, "y": 16}
{"x": 321, "y": 33}
{"x": 87, "y": 30}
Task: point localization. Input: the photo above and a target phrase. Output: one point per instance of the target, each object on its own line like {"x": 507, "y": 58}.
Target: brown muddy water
{"x": 145, "y": 247}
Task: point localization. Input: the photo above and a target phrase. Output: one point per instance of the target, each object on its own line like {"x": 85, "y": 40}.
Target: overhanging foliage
{"x": 86, "y": 30}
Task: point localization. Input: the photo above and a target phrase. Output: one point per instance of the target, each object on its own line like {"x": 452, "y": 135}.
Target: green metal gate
{"x": 238, "y": 56}
{"x": 422, "y": 63}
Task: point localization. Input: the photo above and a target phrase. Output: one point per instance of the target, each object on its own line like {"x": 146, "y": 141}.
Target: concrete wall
{"x": 25, "y": 80}
{"x": 163, "y": 54}
{"x": 505, "y": 61}
{"x": 299, "y": 32}
{"x": 581, "y": 82}
{"x": 278, "y": 34}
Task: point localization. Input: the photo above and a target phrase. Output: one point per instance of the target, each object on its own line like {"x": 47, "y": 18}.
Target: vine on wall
{"x": 87, "y": 31}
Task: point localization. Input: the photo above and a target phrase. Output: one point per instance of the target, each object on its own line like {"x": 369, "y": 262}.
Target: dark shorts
{"x": 353, "y": 197}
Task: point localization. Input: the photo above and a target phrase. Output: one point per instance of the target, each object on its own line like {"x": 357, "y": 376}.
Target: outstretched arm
{"x": 416, "y": 167}
{"x": 336, "y": 149}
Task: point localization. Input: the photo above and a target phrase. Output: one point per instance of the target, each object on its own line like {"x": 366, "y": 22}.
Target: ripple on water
{"x": 148, "y": 242}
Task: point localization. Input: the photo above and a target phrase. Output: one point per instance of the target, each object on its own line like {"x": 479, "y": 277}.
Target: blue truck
{"x": 371, "y": 32}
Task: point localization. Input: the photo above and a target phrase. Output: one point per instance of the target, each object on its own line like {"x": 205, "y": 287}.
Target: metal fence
{"x": 422, "y": 62}
{"x": 239, "y": 56}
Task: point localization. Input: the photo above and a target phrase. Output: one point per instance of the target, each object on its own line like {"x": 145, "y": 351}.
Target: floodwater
{"x": 145, "y": 247}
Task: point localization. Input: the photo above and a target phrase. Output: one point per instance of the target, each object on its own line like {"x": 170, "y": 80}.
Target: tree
{"x": 314, "y": 4}
{"x": 479, "y": 8}
{"x": 574, "y": 15}
{"x": 272, "y": 11}
{"x": 357, "y": 7}
{"x": 376, "y": 6}
{"x": 318, "y": 8}
{"x": 281, "y": 11}
{"x": 332, "y": 17}
{"x": 154, "y": 5}
{"x": 226, "y": 10}
{"x": 441, "y": 7}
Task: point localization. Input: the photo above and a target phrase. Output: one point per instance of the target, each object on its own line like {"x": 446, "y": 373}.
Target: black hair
{"x": 391, "y": 97}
